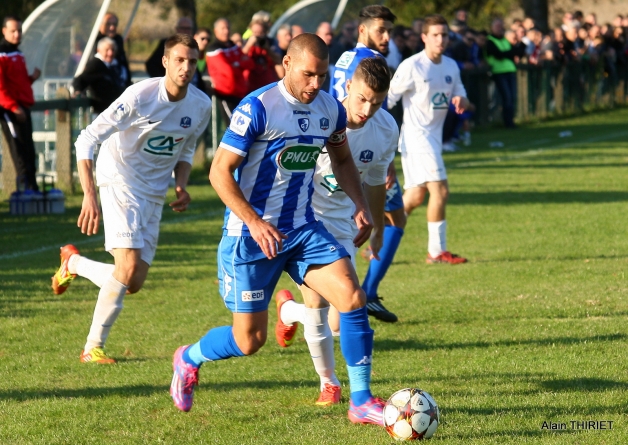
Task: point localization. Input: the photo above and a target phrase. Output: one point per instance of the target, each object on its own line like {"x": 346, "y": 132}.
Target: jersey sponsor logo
{"x": 298, "y": 158}
{"x": 335, "y": 247}
{"x": 239, "y": 123}
{"x": 186, "y": 122}
{"x": 246, "y": 108}
{"x": 163, "y": 144}
{"x": 366, "y": 156}
{"x": 304, "y": 124}
{"x": 330, "y": 183}
{"x": 125, "y": 235}
{"x": 440, "y": 101}
{"x": 338, "y": 138}
{"x": 324, "y": 123}
{"x": 448, "y": 79}
{"x": 345, "y": 60}
{"x": 253, "y": 295}
{"x": 301, "y": 112}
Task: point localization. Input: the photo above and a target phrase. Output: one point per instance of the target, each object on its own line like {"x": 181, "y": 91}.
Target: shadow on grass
{"x": 90, "y": 393}
{"x": 394, "y": 345}
{"x": 511, "y": 198}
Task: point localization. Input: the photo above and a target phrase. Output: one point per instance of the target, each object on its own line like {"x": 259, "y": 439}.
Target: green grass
{"x": 532, "y": 329}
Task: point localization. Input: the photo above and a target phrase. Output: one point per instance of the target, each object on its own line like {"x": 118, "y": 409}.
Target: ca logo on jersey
{"x": 440, "y": 101}
{"x": 330, "y": 183}
{"x": 304, "y": 124}
{"x": 162, "y": 144}
{"x": 186, "y": 122}
{"x": 298, "y": 158}
{"x": 366, "y": 156}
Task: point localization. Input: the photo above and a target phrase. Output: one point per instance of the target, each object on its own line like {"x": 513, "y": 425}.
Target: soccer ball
{"x": 411, "y": 414}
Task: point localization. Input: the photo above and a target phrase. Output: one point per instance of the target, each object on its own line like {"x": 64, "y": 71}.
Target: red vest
{"x": 15, "y": 83}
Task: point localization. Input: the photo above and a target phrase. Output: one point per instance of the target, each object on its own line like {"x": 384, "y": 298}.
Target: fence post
{"x": 8, "y": 169}
{"x": 63, "y": 146}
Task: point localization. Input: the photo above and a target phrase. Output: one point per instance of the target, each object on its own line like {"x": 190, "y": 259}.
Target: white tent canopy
{"x": 59, "y": 37}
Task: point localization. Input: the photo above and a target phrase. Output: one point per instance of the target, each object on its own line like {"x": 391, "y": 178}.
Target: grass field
{"x": 532, "y": 329}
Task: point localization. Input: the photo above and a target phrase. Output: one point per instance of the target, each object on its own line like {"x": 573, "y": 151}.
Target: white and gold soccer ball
{"x": 411, "y": 414}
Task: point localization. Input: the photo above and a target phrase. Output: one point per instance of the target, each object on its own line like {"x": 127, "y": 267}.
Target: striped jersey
{"x": 280, "y": 139}
{"x": 345, "y": 67}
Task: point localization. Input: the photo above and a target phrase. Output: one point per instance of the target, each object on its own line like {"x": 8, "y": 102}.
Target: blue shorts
{"x": 394, "y": 198}
{"x": 248, "y": 279}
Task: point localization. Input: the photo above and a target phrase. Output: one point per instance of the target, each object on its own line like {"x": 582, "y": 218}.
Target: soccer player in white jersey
{"x": 376, "y": 23}
{"x": 427, "y": 83}
{"x": 373, "y": 138}
{"x": 263, "y": 173}
{"x": 146, "y": 134}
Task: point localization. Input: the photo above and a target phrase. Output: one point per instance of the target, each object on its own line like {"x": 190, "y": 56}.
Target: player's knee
{"x": 357, "y": 299}
{"x": 253, "y": 343}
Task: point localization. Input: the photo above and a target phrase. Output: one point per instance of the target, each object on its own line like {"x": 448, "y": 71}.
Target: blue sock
{"x": 378, "y": 268}
{"x": 217, "y": 344}
{"x": 356, "y": 343}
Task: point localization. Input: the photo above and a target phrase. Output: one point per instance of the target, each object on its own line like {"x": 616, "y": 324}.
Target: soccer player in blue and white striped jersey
{"x": 263, "y": 173}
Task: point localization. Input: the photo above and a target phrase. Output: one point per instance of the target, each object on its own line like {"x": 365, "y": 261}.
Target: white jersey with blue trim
{"x": 426, "y": 89}
{"x": 345, "y": 67}
{"x": 280, "y": 140}
{"x": 373, "y": 148}
{"x": 143, "y": 136}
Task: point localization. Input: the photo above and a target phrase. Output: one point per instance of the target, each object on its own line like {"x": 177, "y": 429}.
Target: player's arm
{"x": 401, "y": 82}
{"x": 90, "y": 215}
{"x": 459, "y": 99}
{"x": 376, "y": 198}
{"x": 267, "y": 236}
{"x": 349, "y": 181}
{"x": 181, "y": 175}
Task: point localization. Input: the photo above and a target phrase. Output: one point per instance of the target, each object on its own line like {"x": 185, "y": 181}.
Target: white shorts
{"x": 130, "y": 222}
{"x": 419, "y": 168}
{"x": 344, "y": 231}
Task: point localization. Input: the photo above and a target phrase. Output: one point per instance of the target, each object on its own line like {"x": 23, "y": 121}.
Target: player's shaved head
{"x": 307, "y": 42}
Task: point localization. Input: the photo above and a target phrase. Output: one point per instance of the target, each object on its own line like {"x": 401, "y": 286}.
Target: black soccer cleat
{"x": 375, "y": 308}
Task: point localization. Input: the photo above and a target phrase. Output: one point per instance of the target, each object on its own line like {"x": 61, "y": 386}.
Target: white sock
{"x": 292, "y": 312}
{"x": 107, "y": 309}
{"x": 321, "y": 345}
{"x": 94, "y": 271}
{"x": 437, "y": 241}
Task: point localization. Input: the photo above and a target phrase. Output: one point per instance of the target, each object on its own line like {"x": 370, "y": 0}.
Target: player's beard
{"x": 371, "y": 44}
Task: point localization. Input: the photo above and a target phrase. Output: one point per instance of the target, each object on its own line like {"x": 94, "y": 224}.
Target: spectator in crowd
{"x": 154, "y": 65}
{"x": 533, "y": 51}
{"x": 109, "y": 28}
{"x": 591, "y": 19}
{"x": 262, "y": 17}
{"x": 16, "y": 97}
{"x": 412, "y": 41}
{"x": 236, "y": 38}
{"x": 578, "y": 17}
{"x": 102, "y": 76}
{"x": 396, "y": 47}
{"x": 283, "y": 38}
{"x": 456, "y": 31}
{"x": 345, "y": 41}
{"x": 264, "y": 69}
{"x": 326, "y": 32}
{"x": 202, "y": 36}
{"x": 462, "y": 16}
{"x": 500, "y": 56}
{"x": 297, "y": 30}
{"x": 570, "y": 47}
{"x": 225, "y": 64}
{"x": 567, "y": 20}
{"x": 417, "y": 28}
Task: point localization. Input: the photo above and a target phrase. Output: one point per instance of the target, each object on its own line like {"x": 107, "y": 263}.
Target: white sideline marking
{"x": 538, "y": 151}
{"x": 101, "y": 238}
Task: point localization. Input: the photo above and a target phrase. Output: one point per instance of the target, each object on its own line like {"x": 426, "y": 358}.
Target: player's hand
{"x": 90, "y": 215}
{"x": 363, "y": 220}
{"x": 267, "y": 237}
{"x": 20, "y": 115}
{"x": 460, "y": 103}
{"x": 377, "y": 240}
{"x": 182, "y": 201}
{"x": 391, "y": 176}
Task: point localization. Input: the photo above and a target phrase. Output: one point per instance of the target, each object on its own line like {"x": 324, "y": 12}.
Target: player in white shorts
{"x": 427, "y": 83}
{"x": 373, "y": 137}
{"x": 146, "y": 134}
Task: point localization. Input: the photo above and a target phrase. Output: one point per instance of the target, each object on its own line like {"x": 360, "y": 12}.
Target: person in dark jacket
{"x": 102, "y": 77}
{"x": 500, "y": 55}
{"x": 109, "y": 28}
{"x": 16, "y": 97}
{"x": 154, "y": 65}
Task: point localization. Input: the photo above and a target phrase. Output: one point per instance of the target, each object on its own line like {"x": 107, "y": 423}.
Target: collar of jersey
{"x": 289, "y": 97}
